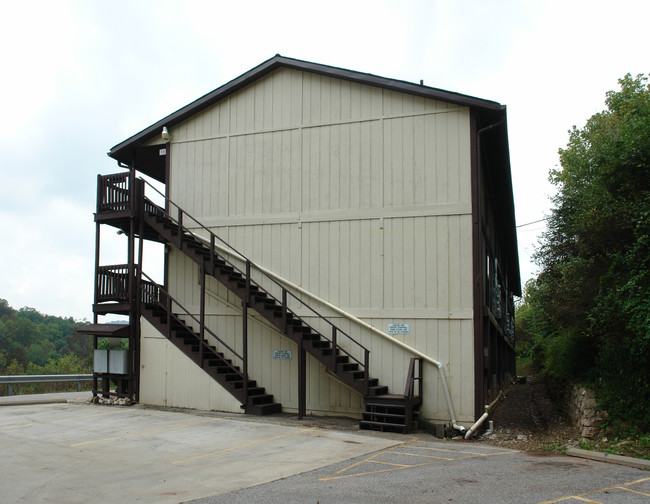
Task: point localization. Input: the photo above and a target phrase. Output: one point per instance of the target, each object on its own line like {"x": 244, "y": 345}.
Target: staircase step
{"x": 384, "y": 417}
{"x": 263, "y": 409}
{"x": 321, "y": 344}
{"x": 260, "y": 399}
{"x": 377, "y": 390}
{"x": 255, "y": 391}
{"x": 232, "y": 376}
{"x": 252, "y": 384}
{"x": 382, "y": 426}
{"x": 224, "y": 370}
{"x": 396, "y": 405}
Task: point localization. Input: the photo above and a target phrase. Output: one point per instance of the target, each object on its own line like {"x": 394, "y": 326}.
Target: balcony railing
{"x": 113, "y": 283}
{"x": 113, "y": 192}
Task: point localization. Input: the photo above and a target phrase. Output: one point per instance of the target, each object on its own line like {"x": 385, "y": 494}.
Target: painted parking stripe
{"x": 582, "y": 497}
{"x": 421, "y": 455}
{"x": 403, "y": 451}
{"x": 634, "y": 491}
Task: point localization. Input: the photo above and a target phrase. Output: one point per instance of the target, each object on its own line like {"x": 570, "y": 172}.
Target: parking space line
{"x": 368, "y": 459}
{"x": 61, "y": 420}
{"x": 634, "y": 491}
{"x": 581, "y": 497}
{"x": 462, "y": 451}
{"x": 159, "y": 429}
{"x": 211, "y": 454}
{"x": 341, "y": 473}
{"x": 387, "y": 463}
{"x": 420, "y": 455}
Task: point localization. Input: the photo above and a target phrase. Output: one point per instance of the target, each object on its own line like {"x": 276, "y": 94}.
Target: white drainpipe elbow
{"x": 475, "y": 427}
{"x": 483, "y": 417}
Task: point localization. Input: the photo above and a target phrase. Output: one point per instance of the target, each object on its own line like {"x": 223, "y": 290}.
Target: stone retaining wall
{"x": 583, "y": 412}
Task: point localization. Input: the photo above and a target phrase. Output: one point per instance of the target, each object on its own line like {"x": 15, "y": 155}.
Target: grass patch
{"x": 631, "y": 445}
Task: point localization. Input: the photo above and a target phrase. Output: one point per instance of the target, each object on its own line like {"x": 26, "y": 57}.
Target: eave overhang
{"x": 495, "y": 147}
{"x": 125, "y": 152}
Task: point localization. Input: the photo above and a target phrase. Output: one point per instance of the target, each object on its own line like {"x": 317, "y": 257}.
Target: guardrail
{"x": 10, "y": 380}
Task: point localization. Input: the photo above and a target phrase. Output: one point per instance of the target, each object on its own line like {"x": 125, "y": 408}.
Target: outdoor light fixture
{"x": 165, "y": 134}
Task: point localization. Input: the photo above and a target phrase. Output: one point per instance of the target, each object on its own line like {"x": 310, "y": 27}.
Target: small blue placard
{"x": 399, "y": 328}
{"x": 281, "y": 354}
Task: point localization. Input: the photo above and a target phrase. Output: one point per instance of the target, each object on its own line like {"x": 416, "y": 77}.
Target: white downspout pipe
{"x": 351, "y": 317}
{"x": 483, "y": 417}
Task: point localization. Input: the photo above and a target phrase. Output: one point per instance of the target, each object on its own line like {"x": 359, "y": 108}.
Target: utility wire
{"x": 534, "y": 222}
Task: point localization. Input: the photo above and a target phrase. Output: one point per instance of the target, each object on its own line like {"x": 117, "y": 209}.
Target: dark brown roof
{"x": 125, "y": 151}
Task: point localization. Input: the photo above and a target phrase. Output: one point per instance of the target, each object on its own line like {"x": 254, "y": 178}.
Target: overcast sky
{"x": 81, "y": 76}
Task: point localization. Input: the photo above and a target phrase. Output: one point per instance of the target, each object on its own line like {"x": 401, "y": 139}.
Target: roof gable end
{"x": 124, "y": 151}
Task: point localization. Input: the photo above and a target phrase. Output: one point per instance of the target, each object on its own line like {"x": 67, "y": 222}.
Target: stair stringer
{"x": 270, "y": 308}
{"x": 165, "y": 373}
{"x": 326, "y": 393}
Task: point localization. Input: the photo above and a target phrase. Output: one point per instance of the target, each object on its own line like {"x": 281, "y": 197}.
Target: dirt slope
{"x": 528, "y": 420}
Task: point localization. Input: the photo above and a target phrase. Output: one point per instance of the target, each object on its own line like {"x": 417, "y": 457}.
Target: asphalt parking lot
{"x": 78, "y": 452}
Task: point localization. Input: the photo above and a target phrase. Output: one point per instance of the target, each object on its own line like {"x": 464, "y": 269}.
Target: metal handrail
{"x": 9, "y": 380}
{"x": 150, "y": 296}
{"x": 183, "y": 229}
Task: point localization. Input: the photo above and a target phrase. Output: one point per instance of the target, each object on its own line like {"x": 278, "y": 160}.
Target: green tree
{"x": 28, "y": 337}
{"x": 594, "y": 286}
{"x": 5, "y": 309}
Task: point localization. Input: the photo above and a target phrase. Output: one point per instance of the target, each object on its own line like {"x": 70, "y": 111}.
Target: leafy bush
{"x": 587, "y": 315}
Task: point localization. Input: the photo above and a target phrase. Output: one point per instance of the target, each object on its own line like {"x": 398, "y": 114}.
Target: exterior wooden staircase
{"x": 121, "y": 200}
{"x": 156, "y": 304}
{"x": 393, "y": 412}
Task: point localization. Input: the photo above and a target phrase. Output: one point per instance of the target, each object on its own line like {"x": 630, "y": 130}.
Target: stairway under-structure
{"x": 125, "y": 289}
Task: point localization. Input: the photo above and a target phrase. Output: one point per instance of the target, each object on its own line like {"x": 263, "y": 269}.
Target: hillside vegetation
{"x": 586, "y": 318}
{"x": 33, "y": 343}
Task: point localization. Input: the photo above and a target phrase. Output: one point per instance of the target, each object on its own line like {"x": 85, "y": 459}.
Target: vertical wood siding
{"x": 169, "y": 378}
{"x": 358, "y": 194}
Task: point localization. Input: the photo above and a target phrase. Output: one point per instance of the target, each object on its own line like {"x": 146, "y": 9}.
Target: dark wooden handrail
{"x": 113, "y": 192}
{"x": 411, "y": 378}
{"x": 113, "y": 283}
{"x": 181, "y": 220}
{"x": 154, "y": 294}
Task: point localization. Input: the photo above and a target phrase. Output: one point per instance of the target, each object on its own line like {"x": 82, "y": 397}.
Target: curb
{"x": 613, "y": 459}
{"x": 29, "y": 402}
